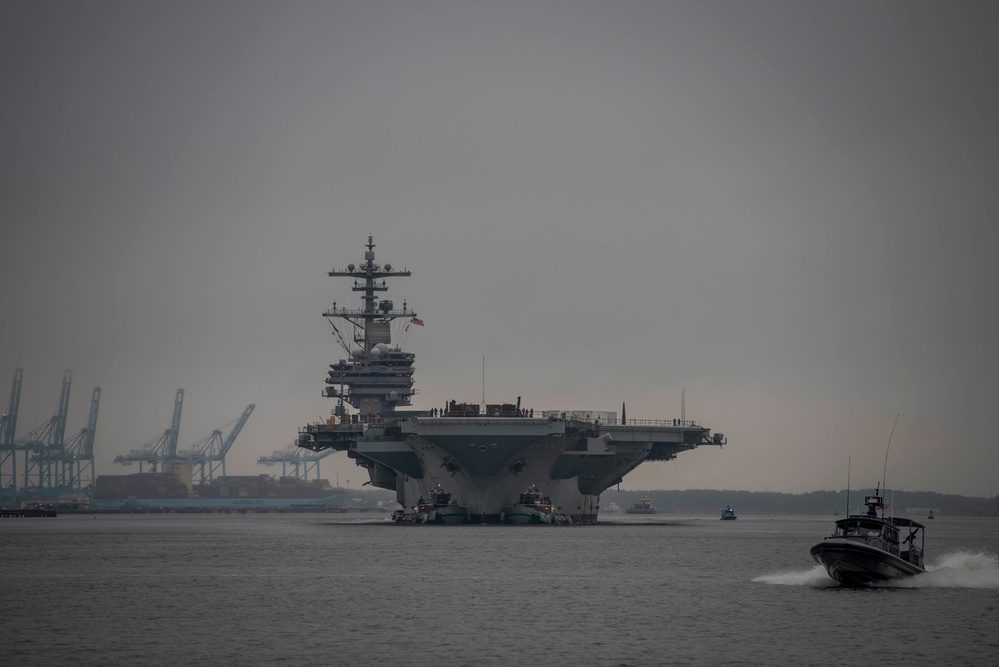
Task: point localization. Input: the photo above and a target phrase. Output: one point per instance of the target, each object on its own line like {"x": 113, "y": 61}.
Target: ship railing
{"x": 563, "y": 415}
{"x": 686, "y": 423}
{"x": 325, "y": 427}
{"x": 552, "y": 415}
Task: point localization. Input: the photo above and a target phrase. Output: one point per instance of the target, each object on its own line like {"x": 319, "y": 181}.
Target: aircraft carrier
{"x": 484, "y": 456}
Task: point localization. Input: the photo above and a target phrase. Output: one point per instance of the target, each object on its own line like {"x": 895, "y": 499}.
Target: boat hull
{"x": 523, "y": 515}
{"x": 858, "y": 564}
{"x": 451, "y": 515}
{"x": 481, "y": 461}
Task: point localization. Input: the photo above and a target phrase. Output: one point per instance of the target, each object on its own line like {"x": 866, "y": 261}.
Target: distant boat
{"x": 931, "y": 515}
{"x": 866, "y": 549}
{"x": 728, "y": 514}
{"x": 643, "y": 506}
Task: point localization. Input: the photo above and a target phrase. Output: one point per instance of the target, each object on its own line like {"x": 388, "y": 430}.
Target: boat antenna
{"x": 483, "y": 385}
{"x": 848, "y": 486}
{"x": 884, "y": 473}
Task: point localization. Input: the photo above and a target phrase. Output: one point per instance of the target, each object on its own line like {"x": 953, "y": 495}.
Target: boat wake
{"x": 960, "y": 569}
{"x": 814, "y": 577}
{"x": 956, "y": 570}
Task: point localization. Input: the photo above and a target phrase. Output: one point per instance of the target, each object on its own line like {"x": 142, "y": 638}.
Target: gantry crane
{"x": 161, "y": 449}
{"x": 302, "y": 459}
{"x": 43, "y": 447}
{"x": 78, "y": 456}
{"x": 8, "y": 448}
{"x": 209, "y": 453}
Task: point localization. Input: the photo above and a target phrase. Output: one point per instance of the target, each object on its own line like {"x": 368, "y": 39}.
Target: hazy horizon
{"x": 787, "y": 210}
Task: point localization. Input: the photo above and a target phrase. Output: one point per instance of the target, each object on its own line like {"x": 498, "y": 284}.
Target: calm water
{"x": 308, "y": 589}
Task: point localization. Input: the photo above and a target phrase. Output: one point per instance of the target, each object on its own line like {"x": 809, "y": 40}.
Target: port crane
{"x": 8, "y": 447}
{"x": 52, "y": 465}
{"x": 209, "y": 453}
{"x": 161, "y": 449}
{"x": 43, "y": 447}
{"x": 77, "y": 458}
{"x": 302, "y": 460}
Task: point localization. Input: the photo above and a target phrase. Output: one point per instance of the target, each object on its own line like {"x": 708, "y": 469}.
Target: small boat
{"x": 439, "y": 507}
{"x": 931, "y": 515}
{"x": 643, "y": 506}
{"x": 533, "y": 507}
{"x": 866, "y": 549}
{"x": 728, "y": 514}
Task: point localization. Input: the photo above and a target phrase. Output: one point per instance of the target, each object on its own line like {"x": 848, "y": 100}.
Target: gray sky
{"x": 787, "y": 208}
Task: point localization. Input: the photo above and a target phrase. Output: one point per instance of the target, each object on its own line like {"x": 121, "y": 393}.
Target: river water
{"x": 359, "y": 590}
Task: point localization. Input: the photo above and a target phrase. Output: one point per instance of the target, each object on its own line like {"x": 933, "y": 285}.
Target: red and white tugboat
{"x": 439, "y": 507}
{"x": 534, "y": 507}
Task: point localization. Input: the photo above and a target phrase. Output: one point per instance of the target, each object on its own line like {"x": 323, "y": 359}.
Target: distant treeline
{"x": 707, "y": 501}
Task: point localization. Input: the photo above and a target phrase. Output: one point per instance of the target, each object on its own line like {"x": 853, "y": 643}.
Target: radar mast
{"x": 378, "y": 377}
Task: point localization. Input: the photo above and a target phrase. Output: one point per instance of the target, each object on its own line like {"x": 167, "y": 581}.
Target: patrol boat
{"x": 867, "y": 549}
{"x": 479, "y": 452}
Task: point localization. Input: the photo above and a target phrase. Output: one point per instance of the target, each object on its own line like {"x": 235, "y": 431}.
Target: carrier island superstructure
{"x": 483, "y": 455}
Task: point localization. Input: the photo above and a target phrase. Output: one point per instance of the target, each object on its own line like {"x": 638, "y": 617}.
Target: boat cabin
{"x": 437, "y": 498}
{"x": 903, "y": 538}
{"x": 533, "y": 496}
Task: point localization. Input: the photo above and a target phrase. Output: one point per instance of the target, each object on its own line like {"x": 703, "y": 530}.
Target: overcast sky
{"x": 789, "y": 209}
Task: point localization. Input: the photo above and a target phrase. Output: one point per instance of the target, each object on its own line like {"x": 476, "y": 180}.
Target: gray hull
{"x": 525, "y": 515}
{"x": 486, "y": 462}
{"x": 857, "y": 564}
{"x": 453, "y": 515}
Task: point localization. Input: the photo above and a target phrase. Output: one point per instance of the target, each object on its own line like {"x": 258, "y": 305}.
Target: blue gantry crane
{"x": 161, "y": 449}
{"x": 8, "y": 447}
{"x": 302, "y": 460}
{"x": 52, "y": 466}
{"x": 209, "y": 453}
{"x": 43, "y": 447}
{"x": 77, "y": 458}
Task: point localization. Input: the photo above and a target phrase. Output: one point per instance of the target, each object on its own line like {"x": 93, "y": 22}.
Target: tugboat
{"x": 534, "y": 507}
{"x": 439, "y": 508}
{"x": 728, "y": 514}
{"x": 867, "y": 549}
{"x": 643, "y": 506}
